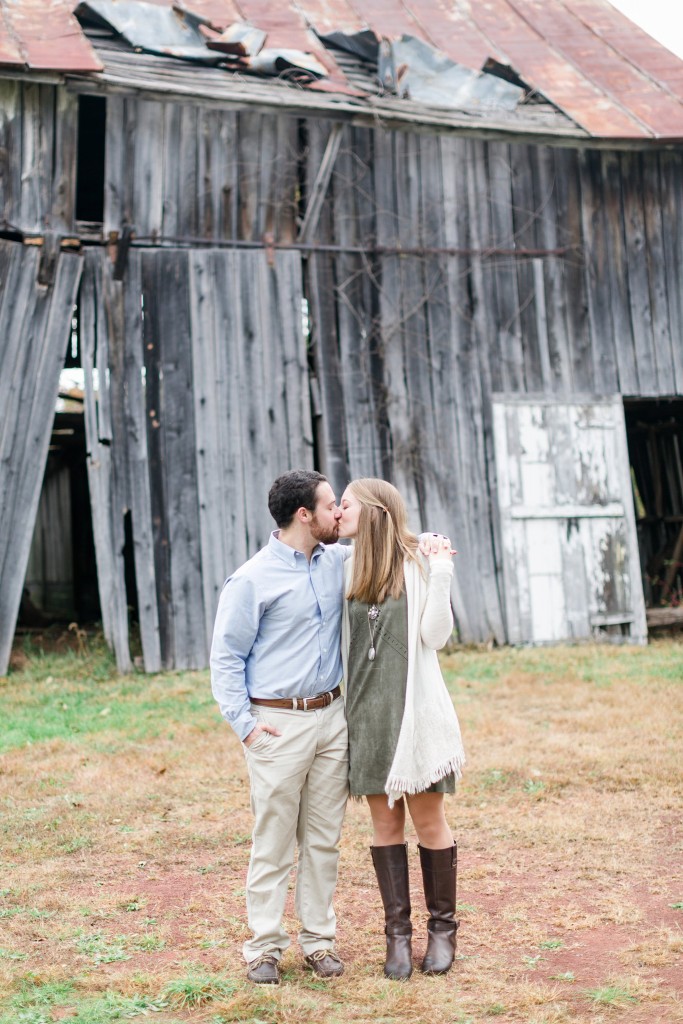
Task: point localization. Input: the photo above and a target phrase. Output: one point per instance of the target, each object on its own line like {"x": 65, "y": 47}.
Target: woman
{"x": 404, "y": 737}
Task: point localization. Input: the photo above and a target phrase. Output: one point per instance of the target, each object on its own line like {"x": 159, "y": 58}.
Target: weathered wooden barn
{"x": 437, "y": 243}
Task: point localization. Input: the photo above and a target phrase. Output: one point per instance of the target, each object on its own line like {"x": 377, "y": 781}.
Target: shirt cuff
{"x": 243, "y": 725}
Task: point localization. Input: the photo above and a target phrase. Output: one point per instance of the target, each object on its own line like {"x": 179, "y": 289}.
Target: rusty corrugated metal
{"x": 543, "y": 68}
{"x": 445, "y": 25}
{"x": 635, "y": 45}
{"x": 603, "y": 66}
{"x": 607, "y": 75}
{"x": 46, "y": 36}
{"x": 153, "y": 28}
{"x": 9, "y": 48}
{"x": 286, "y": 29}
{"x": 429, "y": 77}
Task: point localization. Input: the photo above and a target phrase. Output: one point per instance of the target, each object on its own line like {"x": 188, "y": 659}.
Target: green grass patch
{"x": 53, "y": 700}
{"x": 196, "y": 988}
{"x": 610, "y": 995}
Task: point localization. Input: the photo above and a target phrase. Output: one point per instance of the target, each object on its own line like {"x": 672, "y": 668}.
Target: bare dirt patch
{"x": 124, "y": 860}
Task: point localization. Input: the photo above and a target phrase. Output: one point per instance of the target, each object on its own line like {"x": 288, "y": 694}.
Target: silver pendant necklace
{"x": 373, "y": 614}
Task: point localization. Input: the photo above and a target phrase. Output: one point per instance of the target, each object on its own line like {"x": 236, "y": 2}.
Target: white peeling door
{"x": 570, "y": 551}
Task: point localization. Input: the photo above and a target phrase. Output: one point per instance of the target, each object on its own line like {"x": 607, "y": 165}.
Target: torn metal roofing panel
{"x": 288, "y": 29}
{"x": 290, "y": 63}
{"x": 239, "y": 39}
{"x": 147, "y": 26}
{"x": 363, "y": 44}
{"x": 163, "y": 77}
{"x": 428, "y": 76}
{"x": 581, "y": 55}
{"x": 43, "y": 34}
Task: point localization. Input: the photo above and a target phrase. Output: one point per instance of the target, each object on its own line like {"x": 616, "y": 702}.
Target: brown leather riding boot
{"x": 439, "y": 869}
{"x": 391, "y": 868}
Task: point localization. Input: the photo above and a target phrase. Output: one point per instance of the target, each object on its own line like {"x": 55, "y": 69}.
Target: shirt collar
{"x": 287, "y": 554}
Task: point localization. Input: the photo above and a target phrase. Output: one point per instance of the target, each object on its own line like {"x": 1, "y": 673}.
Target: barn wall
{"x": 465, "y": 268}
{"x": 38, "y": 137}
{"x": 511, "y": 269}
{"x": 176, "y": 171}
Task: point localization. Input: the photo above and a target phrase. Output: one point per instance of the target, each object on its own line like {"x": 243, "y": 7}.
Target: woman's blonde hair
{"x": 382, "y": 543}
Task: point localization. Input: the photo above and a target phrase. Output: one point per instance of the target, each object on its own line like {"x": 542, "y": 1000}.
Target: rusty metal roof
{"x": 44, "y": 35}
{"x": 602, "y": 71}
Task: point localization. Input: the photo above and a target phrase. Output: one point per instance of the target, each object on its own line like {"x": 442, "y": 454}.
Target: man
{"x": 275, "y": 672}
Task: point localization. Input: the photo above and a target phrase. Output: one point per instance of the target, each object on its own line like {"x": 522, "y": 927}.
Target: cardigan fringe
{"x": 396, "y": 787}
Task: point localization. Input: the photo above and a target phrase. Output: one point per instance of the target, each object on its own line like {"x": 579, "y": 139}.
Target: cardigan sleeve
{"x": 436, "y": 622}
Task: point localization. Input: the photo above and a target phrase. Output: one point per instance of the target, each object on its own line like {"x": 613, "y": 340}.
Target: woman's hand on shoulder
{"x": 436, "y": 547}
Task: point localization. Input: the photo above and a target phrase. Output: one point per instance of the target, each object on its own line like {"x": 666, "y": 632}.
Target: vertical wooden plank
{"x": 526, "y": 214}
{"x": 138, "y": 493}
{"x": 171, "y": 458}
{"x": 187, "y": 219}
{"x": 329, "y": 405}
{"x": 147, "y": 169}
{"x": 506, "y": 296}
{"x": 391, "y": 177}
{"x": 30, "y": 159}
{"x": 556, "y": 230}
{"x": 570, "y": 202}
{"x": 103, "y": 483}
{"x": 671, "y": 170}
{"x": 655, "y": 229}
{"x": 249, "y": 147}
{"x": 48, "y": 311}
{"x": 217, "y": 452}
{"x": 291, "y": 428}
{"x": 620, "y": 467}
{"x": 116, "y": 155}
{"x": 64, "y": 169}
{"x": 449, "y": 325}
{"x": 598, "y": 241}
{"x": 173, "y": 161}
{"x": 353, "y": 318}
{"x": 224, "y": 293}
{"x": 473, "y": 403}
{"x": 410, "y": 431}
{"x": 285, "y": 184}
{"x": 254, "y": 327}
{"x": 636, "y": 262}
{"x": 206, "y": 214}
{"x": 10, "y": 148}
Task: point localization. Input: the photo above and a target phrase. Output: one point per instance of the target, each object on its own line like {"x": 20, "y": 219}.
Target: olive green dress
{"x": 375, "y": 695}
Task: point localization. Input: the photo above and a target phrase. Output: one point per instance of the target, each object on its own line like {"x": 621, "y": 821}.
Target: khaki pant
{"x": 299, "y": 787}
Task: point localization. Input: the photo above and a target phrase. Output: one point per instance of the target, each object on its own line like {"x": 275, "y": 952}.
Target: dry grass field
{"x": 124, "y": 839}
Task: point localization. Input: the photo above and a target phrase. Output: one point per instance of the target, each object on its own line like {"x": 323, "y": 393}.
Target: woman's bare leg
{"x": 388, "y": 823}
{"x": 429, "y": 818}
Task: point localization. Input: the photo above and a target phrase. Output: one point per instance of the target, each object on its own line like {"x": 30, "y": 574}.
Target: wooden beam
{"x": 320, "y": 185}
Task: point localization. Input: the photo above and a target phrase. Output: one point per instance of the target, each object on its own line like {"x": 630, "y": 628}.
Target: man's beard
{"x": 328, "y": 535}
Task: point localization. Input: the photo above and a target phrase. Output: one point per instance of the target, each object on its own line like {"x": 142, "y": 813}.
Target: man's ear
{"x": 304, "y": 515}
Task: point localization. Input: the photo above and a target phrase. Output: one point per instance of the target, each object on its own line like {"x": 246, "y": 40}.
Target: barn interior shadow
{"x": 654, "y": 430}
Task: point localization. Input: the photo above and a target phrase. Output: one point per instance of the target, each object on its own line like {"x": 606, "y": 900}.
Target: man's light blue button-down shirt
{"x": 278, "y": 629}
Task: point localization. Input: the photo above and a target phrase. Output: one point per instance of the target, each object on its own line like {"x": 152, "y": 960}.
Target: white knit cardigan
{"x": 429, "y": 745}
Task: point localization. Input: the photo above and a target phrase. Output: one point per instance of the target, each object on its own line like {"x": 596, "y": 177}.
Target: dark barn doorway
{"x": 654, "y": 429}
{"x": 61, "y": 578}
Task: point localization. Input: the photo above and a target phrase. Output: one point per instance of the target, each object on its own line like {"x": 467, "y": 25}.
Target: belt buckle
{"x": 305, "y": 700}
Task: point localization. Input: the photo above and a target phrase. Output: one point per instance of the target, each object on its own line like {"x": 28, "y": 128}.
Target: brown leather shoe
{"x": 325, "y": 963}
{"x": 264, "y": 970}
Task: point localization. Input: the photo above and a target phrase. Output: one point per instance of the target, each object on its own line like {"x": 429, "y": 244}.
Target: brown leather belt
{"x": 299, "y": 703}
